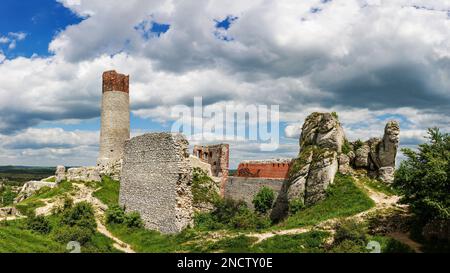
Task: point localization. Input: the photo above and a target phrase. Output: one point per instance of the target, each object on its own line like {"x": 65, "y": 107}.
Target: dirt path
{"x": 405, "y": 239}
{"x": 382, "y": 202}
{"x": 83, "y": 193}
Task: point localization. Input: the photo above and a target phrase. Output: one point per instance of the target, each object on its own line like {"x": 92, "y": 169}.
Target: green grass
{"x": 15, "y": 238}
{"x": 309, "y": 242}
{"x": 146, "y": 241}
{"x": 108, "y": 192}
{"x": 378, "y": 186}
{"x": 344, "y": 199}
{"x": 29, "y": 205}
{"x": 390, "y": 245}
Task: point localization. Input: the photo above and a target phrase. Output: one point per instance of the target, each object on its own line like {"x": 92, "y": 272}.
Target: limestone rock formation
{"x": 377, "y": 155}
{"x": 156, "y": 181}
{"x": 60, "y": 174}
{"x": 83, "y": 174}
{"x": 314, "y": 170}
{"x": 322, "y": 155}
{"x": 31, "y": 187}
{"x": 112, "y": 169}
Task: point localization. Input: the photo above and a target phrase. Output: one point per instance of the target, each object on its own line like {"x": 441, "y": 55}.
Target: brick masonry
{"x": 277, "y": 168}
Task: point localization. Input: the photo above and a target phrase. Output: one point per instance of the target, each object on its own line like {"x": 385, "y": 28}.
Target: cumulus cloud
{"x": 367, "y": 60}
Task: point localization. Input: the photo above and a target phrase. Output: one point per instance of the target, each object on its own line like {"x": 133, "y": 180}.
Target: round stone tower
{"x": 115, "y": 118}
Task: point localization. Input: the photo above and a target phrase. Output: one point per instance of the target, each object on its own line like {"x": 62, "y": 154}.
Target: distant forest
{"x": 18, "y": 175}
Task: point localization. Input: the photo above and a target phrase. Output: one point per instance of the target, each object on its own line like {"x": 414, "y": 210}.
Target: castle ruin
{"x": 115, "y": 122}
{"x": 218, "y": 156}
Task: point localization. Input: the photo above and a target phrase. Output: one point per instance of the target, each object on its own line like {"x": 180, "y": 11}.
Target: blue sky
{"x": 304, "y": 56}
{"x": 39, "y": 20}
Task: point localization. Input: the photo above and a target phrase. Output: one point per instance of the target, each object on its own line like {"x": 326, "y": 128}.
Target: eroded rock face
{"x": 60, "y": 174}
{"x": 314, "y": 170}
{"x": 377, "y": 155}
{"x": 112, "y": 169}
{"x": 84, "y": 174}
{"x": 156, "y": 181}
{"x": 322, "y": 155}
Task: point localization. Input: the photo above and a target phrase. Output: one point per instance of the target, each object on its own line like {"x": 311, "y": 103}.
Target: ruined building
{"x": 273, "y": 168}
{"x": 156, "y": 181}
{"x": 115, "y": 122}
{"x": 218, "y": 156}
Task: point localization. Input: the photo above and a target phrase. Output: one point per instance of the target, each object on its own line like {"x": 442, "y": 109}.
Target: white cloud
{"x": 362, "y": 59}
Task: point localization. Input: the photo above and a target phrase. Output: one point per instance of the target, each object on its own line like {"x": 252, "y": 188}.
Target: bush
{"x": 246, "y": 219}
{"x": 233, "y": 215}
{"x": 263, "y": 200}
{"x": 133, "y": 220}
{"x": 66, "y": 234}
{"x": 203, "y": 188}
{"x": 81, "y": 215}
{"x": 346, "y": 148}
{"x": 295, "y": 206}
{"x": 8, "y": 196}
{"x": 39, "y": 224}
{"x": 115, "y": 215}
{"x": 350, "y": 230}
{"x": 226, "y": 209}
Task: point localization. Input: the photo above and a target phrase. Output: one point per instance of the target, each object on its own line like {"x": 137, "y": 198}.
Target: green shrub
{"x": 335, "y": 115}
{"x": 350, "y": 230}
{"x": 230, "y": 214}
{"x": 348, "y": 246}
{"x": 203, "y": 188}
{"x": 115, "y": 215}
{"x": 226, "y": 209}
{"x": 207, "y": 221}
{"x": 81, "y": 215}
{"x": 295, "y": 206}
{"x": 358, "y": 144}
{"x": 133, "y": 220}
{"x": 246, "y": 219}
{"x": 8, "y": 197}
{"x": 424, "y": 178}
{"x": 346, "y": 148}
{"x": 39, "y": 224}
{"x": 65, "y": 234}
{"x": 263, "y": 200}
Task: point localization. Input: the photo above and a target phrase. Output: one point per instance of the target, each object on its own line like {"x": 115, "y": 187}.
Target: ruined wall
{"x": 218, "y": 156}
{"x": 276, "y": 168}
{"x": 156, "y": 181}
{"x": 115, "y": 118}
{"x": 245, "y": 188}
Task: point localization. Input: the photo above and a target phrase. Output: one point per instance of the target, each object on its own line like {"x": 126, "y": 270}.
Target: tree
{"x": 424, "y": 178}
{"x": 263, "y": 200}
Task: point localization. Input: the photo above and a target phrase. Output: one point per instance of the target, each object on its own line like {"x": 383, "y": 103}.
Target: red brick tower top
{"x": 113, "y": 81}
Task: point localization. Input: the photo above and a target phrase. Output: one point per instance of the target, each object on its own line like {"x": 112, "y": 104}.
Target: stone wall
{"x": 218, "y": 156}
{"x": 275, "y": 168}
{"x": 245, "y": 188}
{"x": 156, "y": 181}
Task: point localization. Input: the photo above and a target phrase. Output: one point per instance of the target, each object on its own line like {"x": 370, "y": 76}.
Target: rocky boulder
{"x": 31, "y": 187}
{"x": 377, "y": 155}
{"x": 84, "y": 174}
